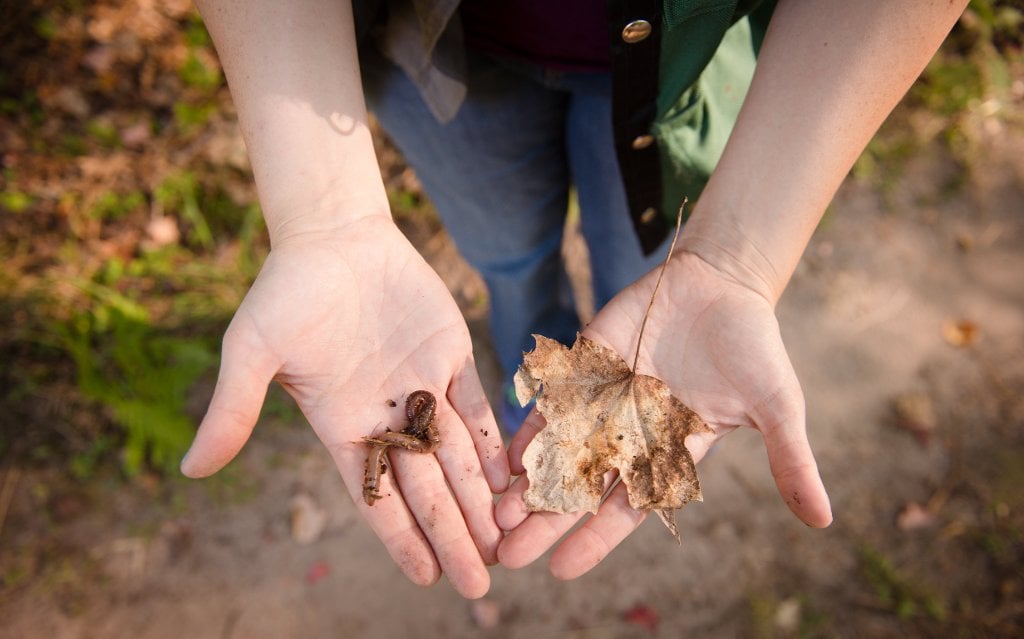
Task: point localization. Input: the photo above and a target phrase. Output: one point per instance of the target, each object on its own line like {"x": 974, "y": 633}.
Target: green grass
{"x": 15, "y": 201}
{"x": 896, "y": 591}
{"x": 196, "y": 74}
{"x": 141, "y": 373}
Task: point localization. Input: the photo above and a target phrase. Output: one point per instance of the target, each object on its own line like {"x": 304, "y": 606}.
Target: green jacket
{"x": 704, "y": 52}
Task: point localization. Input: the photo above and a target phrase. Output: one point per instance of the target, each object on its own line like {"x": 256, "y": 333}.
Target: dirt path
{"x": 864, "y": 321}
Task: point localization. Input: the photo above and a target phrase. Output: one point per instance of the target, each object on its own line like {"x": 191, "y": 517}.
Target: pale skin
{"x": 345, "y": 311}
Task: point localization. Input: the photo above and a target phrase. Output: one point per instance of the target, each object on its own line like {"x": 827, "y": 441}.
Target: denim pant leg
{"x": 499, "y": 178}
{"x": 616, "y": 258}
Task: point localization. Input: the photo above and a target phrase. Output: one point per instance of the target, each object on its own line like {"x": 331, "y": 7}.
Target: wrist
{"x": 349, "y": 222}
{"x": 317, "y": 188}
{"x": 726, "y": 247}
{"x": 329, "y": 217}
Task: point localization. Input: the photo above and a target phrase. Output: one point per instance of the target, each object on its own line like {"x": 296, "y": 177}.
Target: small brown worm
{"x": 420, "y": 436}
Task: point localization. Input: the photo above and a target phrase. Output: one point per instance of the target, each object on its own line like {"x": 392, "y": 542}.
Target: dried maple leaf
{"x": 602, "y": 416}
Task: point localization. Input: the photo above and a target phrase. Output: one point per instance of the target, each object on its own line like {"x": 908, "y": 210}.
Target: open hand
{"x": 346, "y": 321}
{"x": 716, "y": 343}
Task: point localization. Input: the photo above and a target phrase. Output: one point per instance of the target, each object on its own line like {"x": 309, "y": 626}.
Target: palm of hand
{"x": 345, "y": 325}
{"x": 717, "y": 345}
{"x": 714, "y": 342}
{"x": 352, "y": 324}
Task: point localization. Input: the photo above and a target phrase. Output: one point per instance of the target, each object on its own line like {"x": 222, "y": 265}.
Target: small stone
{"x": 787, "y": 615}
{"x": 915, "y": 412}
{"x": 136, "y": 135}
{"x": 162, "y": 231}
{"x": 486, "y": 613}
{"x": 308, "y": 519}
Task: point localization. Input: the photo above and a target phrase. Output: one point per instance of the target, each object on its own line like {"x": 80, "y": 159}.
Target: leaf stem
{"x": 647, "y": 313}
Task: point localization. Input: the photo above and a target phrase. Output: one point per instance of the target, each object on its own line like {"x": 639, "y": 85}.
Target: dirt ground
{"x": 909, "y": 297}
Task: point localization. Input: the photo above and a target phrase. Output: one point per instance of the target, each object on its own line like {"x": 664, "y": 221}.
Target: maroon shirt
{"x": 566, "y": 35}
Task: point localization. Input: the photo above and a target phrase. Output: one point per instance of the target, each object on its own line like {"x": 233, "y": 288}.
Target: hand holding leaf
{"x": 716, "y": 344}
{"x": 602, "y": 416}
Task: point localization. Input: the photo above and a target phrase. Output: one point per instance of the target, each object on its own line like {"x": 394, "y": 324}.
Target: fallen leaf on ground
{"x": 601, "y": 417}
{"x": 916, "y": 413}
{"x": 317, "y": 572}
{"x": 960, "y": 334}
{"x": 644, "y": 616}
{"x": 914, "y": 516}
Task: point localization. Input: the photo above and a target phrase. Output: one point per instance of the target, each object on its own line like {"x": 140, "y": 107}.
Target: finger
{"x": 538, "y": 531}
{"x": 458, "y": 456}
{"x": 428, "y": 498}
{"x": 510, "y": 511}
{"x": 389, "y": 517}
{"x": 793, "y": 466}
{"x": 615, "y": 520}
{"x": 533, "y": 424}
{"x": 467, "y": 397}
{"x": 533, "y": 537}
{"x": 598, "y": 536}
{"x": 797, "y": 478}
{"x": 246, "y": 370}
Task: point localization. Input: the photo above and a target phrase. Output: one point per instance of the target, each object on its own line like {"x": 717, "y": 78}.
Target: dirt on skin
{"x": 905, "y": 323}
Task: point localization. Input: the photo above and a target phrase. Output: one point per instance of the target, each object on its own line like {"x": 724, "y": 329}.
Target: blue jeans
{"x": 499, "y": 175}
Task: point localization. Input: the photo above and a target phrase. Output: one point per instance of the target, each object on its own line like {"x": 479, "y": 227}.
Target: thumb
{"x": 245, "y": 372}
{"x": 792, "y": 462}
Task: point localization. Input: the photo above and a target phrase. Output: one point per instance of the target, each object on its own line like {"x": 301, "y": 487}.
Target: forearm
{"x": 829, "y": 73}
{"x": 294, "y": 78}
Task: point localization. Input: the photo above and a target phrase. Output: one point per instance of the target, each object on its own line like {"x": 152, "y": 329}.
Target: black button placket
{"x": 635, "y": 60}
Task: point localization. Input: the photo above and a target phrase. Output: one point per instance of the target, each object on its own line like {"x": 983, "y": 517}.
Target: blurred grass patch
{"x": 969, "y": 80}
{"x": 113, "y": 206}
{"x": 15, "y": 201}
{"x": 139, "y": 330}
{"x": 141, "y": 374}
{"x": 897, "y": 592}
{"x": 795, "y": 616}
{"x": 199, "y": 75}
